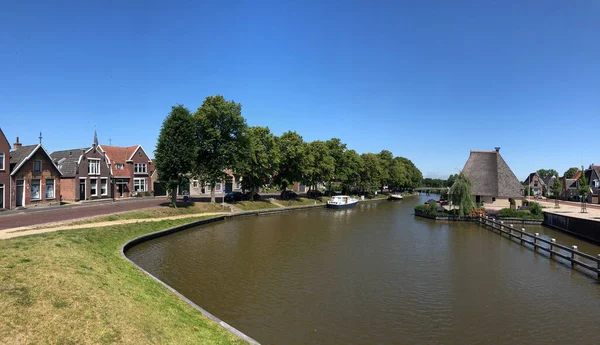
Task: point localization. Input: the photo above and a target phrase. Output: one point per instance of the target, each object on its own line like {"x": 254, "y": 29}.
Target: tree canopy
{"x": 571, "y": 172}
{"x": 544, "y": 173}
{"x": 216, "y": 139}
{"x": 175, "y": 150}
{"x": 461, "y": 195}
{"x": 220, "y": 129}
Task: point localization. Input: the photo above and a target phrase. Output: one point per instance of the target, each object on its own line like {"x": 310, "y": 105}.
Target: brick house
{"x": 536, "y": 184}
{"x": 592, "y": 174}
{"x": 4, "y": 172}
{"x": 85, "y": 173}
{"x": 131, "y": 168}
{"x": 34, "y": 178}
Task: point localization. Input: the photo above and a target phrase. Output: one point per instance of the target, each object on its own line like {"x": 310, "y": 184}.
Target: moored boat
{"x": 395, "y": 196}
{"x": 341, "y": 201}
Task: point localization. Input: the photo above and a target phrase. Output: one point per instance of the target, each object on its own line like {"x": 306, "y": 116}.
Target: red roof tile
{"x": 119, "y": 155}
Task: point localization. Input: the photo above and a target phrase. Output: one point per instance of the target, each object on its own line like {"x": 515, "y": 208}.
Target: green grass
{"x": 254, "y": 205}
{"x": 157, "y": 212}
{"x": 74, "y": 287}
{"x": 523, "y": 214}
{"x": 302, "y": 201}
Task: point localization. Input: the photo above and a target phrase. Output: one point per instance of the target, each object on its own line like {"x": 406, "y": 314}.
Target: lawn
{"x": 158, "y": 212}
{"x": 302, "y": 201}
{"x": 74, "y": 287}
{"x": 254, "y": 205}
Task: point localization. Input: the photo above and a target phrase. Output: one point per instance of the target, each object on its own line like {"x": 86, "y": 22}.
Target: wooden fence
{"x": 573, "y": 257}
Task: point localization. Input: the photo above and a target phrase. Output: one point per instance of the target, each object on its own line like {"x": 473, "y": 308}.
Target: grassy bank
{"x": 302, "y": 201}
{"x": 254, "y": 205}
{"x": 73, "y": 287}
{"x": 157, "y": 212}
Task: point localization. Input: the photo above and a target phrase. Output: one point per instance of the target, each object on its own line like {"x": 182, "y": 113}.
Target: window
{"x": 35, "y": 190}
{"x": 119, "y": 166}
{"x": 1, "y": 196}
{"x": 195, "y": 183}
{"x": 103, "y": 186}
{"x": 50, "y": 189}
{"x": 139, "y": 185}
{"x": 139, "y": 168}
{"x": 93, "y": 166}
{"x": 2, "y": 163}
{"x": 94, "y": 187}
{"x": 218, "y": 187}
{"x": 37, "y": 166}
{"x": 597, "y": 183}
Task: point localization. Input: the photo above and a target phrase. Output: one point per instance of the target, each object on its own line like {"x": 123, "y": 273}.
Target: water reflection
{"x": 375, "y": 275}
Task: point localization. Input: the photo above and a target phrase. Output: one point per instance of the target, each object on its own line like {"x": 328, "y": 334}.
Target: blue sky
{"x": 427, "y": 80}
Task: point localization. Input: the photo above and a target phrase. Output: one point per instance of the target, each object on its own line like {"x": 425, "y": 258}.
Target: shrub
{"x": 508, "y": 213}
{"x": 421, "y": 209}
{"x": 147, "y": 194}
{"x": 512, "y": 201}
{"x": 535, "y": 208}
{"x": 432, "y": 209}
{"x": 477, "y": 212}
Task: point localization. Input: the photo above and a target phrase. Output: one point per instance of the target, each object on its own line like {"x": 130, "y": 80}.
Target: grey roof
{"x": 67, "y": 160}
{"x": 490, "y": 175}
{"x": 18, "y": 156}
{"x": 571, "y": 183}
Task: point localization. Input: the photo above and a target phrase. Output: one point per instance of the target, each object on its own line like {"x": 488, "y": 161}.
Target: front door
{"x": 120, "y": 187}
{"x": 20, "y": 194}
{"x": 81, "y": 189}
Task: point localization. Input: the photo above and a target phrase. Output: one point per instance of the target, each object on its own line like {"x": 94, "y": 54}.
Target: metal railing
{"x": 573, "y": 257}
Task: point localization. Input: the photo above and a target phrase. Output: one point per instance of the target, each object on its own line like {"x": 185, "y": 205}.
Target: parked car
{"x": 234, "y": 196}
{"x": 256, "y": 196}
{"x": 314, "y": 193}
{"x": 288, "y": 194}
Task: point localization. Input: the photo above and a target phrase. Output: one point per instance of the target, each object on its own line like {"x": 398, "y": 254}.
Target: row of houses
{"x": 30, "y": 176}
{"x": 570, "y": 186}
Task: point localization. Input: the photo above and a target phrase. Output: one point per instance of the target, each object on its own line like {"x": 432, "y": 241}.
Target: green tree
{"x": 260, "y": 159}
{"x": 583, "y": 188}
{"x": 292, "y": 160}
{"x": 450, "y": 180}
{"x": 544, "y": 173}
{"x": 320, "y": 164}
{"x": 571, "y": 172}
{"x": 350, "y": 170}
{"x": 414, "y": 175}
{"x": 336, "y": 150}
{"x": 556, "y": 189}
{"x": 398, "y": 174}
{"x": 370, "y": 177}
{"x": 461, "y": 195}
{"x": 175, "y": 150}
{"x": 387, "y": 160}
{"x": 220, "y": 129}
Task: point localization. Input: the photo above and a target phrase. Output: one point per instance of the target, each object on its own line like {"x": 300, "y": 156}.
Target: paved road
{"x": 40, "y": 216}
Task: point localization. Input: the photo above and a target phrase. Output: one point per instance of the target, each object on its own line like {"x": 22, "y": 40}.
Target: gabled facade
{"x": 131, "y": 168}
{"x": 570, "y": 192}
{"x": 592, "y": 174}
{"x": 85, "y": 173}
{"x": 4, "y": 172}
{"x": 34, "y": 178}
{"x": 493, "y": 182}
{"x": 536, "y": 185}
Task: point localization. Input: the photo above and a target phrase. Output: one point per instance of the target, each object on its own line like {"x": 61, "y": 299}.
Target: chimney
{"x": 497, "y": 149}
{"x": 17, "y": 145}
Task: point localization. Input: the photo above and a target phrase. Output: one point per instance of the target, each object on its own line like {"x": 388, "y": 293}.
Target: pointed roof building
{"x": 491, "y": 176}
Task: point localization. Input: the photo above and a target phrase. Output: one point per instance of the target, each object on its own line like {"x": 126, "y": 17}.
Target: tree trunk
{"x": 174, "y": 197}
{"x": 212, "y": 193}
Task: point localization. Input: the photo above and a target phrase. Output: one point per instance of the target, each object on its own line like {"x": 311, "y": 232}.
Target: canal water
{"x": 376, "y": 275}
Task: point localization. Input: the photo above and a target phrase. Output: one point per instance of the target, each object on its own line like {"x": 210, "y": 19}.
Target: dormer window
{"x": 119, "y": 166}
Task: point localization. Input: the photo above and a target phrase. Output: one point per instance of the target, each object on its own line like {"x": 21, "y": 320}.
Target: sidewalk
{"x": 571, "y": 209}
{"x": 32, "y": 230}
{"x": 20, "y": 218}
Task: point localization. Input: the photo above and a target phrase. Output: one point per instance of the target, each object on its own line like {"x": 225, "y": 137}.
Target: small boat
{"x": 395, "y": 196}
{"x": 341, "y": 201}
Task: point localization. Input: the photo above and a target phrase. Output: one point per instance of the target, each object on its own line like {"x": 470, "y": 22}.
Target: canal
{"x": 376, "y": 275}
